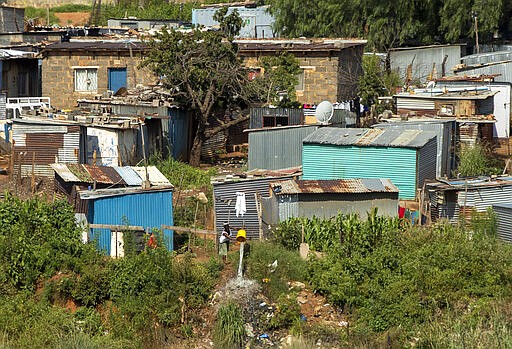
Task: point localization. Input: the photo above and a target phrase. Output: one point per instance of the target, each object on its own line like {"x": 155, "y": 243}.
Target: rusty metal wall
{"x": 36, "y": 146}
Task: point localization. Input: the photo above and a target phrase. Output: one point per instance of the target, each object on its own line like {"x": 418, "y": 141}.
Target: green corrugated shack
{"x": 407, "y": 157}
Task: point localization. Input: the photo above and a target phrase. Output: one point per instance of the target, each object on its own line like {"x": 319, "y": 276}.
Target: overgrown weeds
{"x": 229, "y": 329}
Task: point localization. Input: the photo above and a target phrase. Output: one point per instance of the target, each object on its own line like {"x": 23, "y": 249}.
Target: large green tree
{"x": 389, "y": 23}
{"x": 203, "y": 73}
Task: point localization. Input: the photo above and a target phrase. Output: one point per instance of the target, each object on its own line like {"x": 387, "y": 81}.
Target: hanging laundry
{"x": 240, "y": 207}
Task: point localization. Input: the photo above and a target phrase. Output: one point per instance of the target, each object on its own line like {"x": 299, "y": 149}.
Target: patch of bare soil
{"x": 73, "y": 18}
{"x": 26, "y": 188}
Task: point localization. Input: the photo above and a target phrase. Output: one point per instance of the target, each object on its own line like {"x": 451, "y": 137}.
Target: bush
{"x": 476, "y": 161}
{"x": 286, "y": 313}
{"x": 404, "y": 279}
{"x": 289, "y": 267}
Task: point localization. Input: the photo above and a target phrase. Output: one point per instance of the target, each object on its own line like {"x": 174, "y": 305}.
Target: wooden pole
{"x": 33, "y": 182}
{"x": 258, "y": 210}
{"x": 11, "y": 162}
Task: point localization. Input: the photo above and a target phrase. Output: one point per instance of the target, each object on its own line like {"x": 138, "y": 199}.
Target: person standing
{"x": 224, "y": 240}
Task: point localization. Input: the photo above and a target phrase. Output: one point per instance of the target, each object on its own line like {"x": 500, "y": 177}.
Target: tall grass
{"x": 229, "y": 329}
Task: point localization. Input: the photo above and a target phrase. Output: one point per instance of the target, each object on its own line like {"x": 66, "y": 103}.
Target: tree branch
{"x": 212, "y": 132}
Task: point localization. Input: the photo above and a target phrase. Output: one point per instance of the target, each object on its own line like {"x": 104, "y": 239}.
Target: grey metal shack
{"x": 327, "y": 198}
{"x": 504, "y": 219}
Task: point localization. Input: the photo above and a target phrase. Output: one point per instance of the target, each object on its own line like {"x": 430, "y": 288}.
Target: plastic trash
{"x": 263, "y": 336}
{"x": 303, "y": 317}
{"x": 262, "y": 304}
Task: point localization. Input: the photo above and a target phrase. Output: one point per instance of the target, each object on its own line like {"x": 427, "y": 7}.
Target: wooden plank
{"x": 115, "y": 227}
{"x": 188, "y": 230}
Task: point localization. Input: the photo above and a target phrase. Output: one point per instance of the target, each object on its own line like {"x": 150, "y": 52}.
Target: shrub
{"x": 475, "y": 161}
{"x": 289, "y": 267}
{"x": 287, "y": 312}
{"x": 403, "y": 280}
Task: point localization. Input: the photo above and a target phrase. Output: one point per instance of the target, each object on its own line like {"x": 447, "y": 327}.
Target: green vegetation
{"x": 41, "y": 14}
{"x": 409, "y": 282}
{"x": 477, "y": 160}
{"x": 182, "y": 175}
{"x": 392, "y": 24}
{"x": 274, "y": 281}
{"x": 229, "y": 328}
{"x": 59, "y": 292}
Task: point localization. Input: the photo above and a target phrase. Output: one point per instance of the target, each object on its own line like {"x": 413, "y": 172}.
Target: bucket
{"x": 240, "y": 236}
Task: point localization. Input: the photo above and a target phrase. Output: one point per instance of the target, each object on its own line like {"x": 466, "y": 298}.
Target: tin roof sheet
{"x": 370, "y": 137}
{"x": 470, "y": 183}
{"x": 104, "y": 174}
{"x": 65, "y": 173}
{"x": 336, "y": 186}
{"x": 155, "y": 176}
{"x": 102, "y": 193}
{"x": 127, "y": 175}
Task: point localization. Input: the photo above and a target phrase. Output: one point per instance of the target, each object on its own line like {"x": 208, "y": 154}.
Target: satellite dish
{"x": 323, "y": 112}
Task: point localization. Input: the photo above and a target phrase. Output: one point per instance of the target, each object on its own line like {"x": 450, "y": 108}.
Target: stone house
{"x": 84, "y": 69}
{"x": 330, "y": 67}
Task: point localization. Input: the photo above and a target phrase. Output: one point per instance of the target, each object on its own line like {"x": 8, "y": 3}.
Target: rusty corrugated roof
{"x": 109, "y": 175}
{"x": 334, "y": 186}
{"x": 104, "y": 174}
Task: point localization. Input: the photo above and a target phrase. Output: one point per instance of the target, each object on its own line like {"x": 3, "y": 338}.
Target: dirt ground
{"x": 72, "y": 18}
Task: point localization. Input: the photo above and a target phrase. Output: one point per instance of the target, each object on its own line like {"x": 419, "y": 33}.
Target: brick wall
{"x": 58, "y": 76}
{"x": 320, "y": 78}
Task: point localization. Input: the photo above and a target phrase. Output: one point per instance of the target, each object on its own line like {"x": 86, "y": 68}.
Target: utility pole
{"x": 475, "y": 17}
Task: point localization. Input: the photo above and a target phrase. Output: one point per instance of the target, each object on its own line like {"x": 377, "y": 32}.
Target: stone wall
{"x": 58, "y": 76}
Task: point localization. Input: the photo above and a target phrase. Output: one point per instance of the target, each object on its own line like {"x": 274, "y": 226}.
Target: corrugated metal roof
{"x": 103, "y": 193}
{"x": 155, "y": 176}
{"x": 370, "y": 137}
{"x": 509, "y": 206}
{"x": 339, "y": 186}
{"x": 127, "y": 175}
{"x": 65, "y": 173}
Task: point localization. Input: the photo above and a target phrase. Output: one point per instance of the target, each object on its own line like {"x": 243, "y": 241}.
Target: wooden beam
{"x": 115, "y": 227}
{"x": 188, "y": 230}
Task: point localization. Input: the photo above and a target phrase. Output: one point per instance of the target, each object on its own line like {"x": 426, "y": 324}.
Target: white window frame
{"x": 91, "y": 78}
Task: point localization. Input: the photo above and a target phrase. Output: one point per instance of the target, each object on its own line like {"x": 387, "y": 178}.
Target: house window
{"x": 275, "y": 120}
{"x": 300, "y": 81}
{"x": 86, "y": 79}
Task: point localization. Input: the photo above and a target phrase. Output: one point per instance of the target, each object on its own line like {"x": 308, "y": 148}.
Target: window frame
{"x": 88, "y": 70}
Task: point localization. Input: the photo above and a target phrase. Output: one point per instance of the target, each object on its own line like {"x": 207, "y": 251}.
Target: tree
{"x": 280, "y": 75}
{"x": 203, "y": 73}
{"x": 390, "y": 23}
{"x": 375, "y": 81}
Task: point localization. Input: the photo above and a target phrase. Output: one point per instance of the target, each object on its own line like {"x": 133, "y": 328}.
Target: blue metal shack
{"x": 148, "y": 208}
{"x": 406, "y": 157}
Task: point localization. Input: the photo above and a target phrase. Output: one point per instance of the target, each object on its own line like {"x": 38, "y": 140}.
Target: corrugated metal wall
{"x": 179, "y": 133}
{"x": 37, "y": 146}
{"x": 295, "y": 116}
{"x": 288, "y": 206}
{"x": 427, "y": 157}
{"x": 340, "y": 162}
{"x": 149, "y": 210}
{"x": 504, "y": 71}
{"x": 504, "y": 220}
{"x": 275, "y": 149}
{"x": 483, "y": 198}
{"x": 415, "y": 103}
{"x": 257, "y": 22}
{"x": 423, "y": 58}
{"x": 12, "y": 20}
{"x": 443, "y": 131}
{"x": 224, "y": 197}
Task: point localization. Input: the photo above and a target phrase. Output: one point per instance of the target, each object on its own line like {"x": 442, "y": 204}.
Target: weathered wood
{"x": 188, "y": 230}
{"x": 115, "y": 227}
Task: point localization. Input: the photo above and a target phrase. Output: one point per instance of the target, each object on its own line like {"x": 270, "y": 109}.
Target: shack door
{"x": 116, "y": 78}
